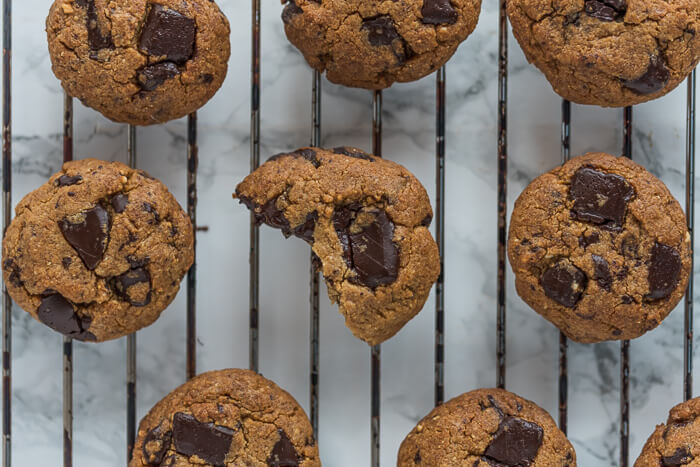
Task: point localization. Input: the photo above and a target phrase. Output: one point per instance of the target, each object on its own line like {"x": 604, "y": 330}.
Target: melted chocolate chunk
{"x": 156, "y": 445}
{"x": 381, "y": 30}
{"x": 306, "y": 153}
{"x": 600, "y": 198}
{"x": 679, "y": 458}
{"x": 290, "y": 10}
{"x": 283, "y": 453}
{"x": 10, "y": 266}
{"x": 606, "y": 10}
{"x": 90, "y": 236}
{"x": 438, "y": 12}
{"x": 119, "y": 202}
{"x": 97, "y": 39}
{"x": 152, "y": 76}
{"x": 586, "y": 241}
{"x": 371, "y": 252}
{"x": 207, "y": 441}
{"x": 564, "y": 283}
{"x": 67, "y": 180}
{"x": 269, "y": 214}
{"x": 515, "y": 443}
{"x": 131, "y": 278}
{"x": 58, "y": 313}
{"x": 654, "y": 78}
{"x": 353, "y": 152}
{"x": 168, "y": 34}
{"x": 601, "y": 272}
{"x": 664, "y": 271}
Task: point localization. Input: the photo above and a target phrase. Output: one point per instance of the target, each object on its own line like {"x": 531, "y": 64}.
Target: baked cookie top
{"x": 367, "y": 220}
{"x": 373, "y": 43}
{"x": 487, "y": 428}
{"x": 675, "y": 443}
{"x": 600, "y": 248}
{"x": 226, "y": 418}
{"x": 611, "y": 53}
{"x": 97, "y": 252}
{"x": 137, "y": 61}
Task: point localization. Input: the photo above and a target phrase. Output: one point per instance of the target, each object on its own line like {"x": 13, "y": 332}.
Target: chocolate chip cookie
{"x": 98, "y": 252}
{"x": 137, "y": 61}
{"x": 372, "y": 44}
{"x": 676, "y": 443}
{"x": 367, "y": 220}
{"x": 226, "y": 418}
{"x": 611, "y": 53}
{"x": 487, "y": 428}
{"x": 600, "y": 248}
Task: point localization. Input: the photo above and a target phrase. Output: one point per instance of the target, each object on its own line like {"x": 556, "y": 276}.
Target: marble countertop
{"x": 407, "y": 360}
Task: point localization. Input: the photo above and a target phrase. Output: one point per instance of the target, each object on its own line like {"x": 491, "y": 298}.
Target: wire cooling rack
{"x": 314, "y": 279}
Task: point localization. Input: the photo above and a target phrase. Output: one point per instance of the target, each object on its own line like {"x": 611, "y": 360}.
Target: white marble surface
{"x": 407, "y": 369}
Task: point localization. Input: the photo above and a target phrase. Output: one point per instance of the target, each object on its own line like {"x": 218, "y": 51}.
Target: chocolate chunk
{"x": 417, "y": 459}
{"x": 169, "y": 461}
{"x": 97, "y": 39}
{"x": 168, "y": 34}
{"x": 601, "y": 272}
{"x": 353, "y": 152}
{"x": 131, "y": 278}
{"x": 515, "y": 443}
{"x": 606, "y": 10}
{"x": 152, "y": 76}
{"x": 630, "y": 247}
{"x": 156, "y": 444}
{"x": 381, "y": 30}
{"x": 587, "y": 240}
{"x": 148, "y": 207}
{"x": 564, "y": 283}
{"x": 664, "y": 271}
{"x": 283, "y": 453}
{"x": 681, "y": 457}
{"x": 10, "y": 266}
{"x": 306, "y": 153}
{"x": 269, "y": 214}
{"x": 370, "y": 252}
{"x": 438, "y": 12}
{"x": 66, "y": 262}
{"x": 626, "y": 299}
{"x": 207, "y": 441}
{"x": 654, "y": 78}
{"x": 427, "y": 220}
{"x": 119, "y": 202}
{"x": 58, "y": 313}
{"x": 305, "y": 231}
{"x": 89, "y": 236}
{"x": 67, "y": 180}
{"x": 600, "y": 198}
{"x": 290, "y": 10}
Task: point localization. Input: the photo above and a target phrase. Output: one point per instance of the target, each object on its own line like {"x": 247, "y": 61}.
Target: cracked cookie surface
{"x": 97, "y": 252}
{"x": 675, "y": 443}
{"x": 600, "y": 248}
{"x": 367, "y": 221}
{"x": 610, "y": 53}
{"x": 226, "y": 418}
{"x": 136, "y": 61}
{"x": 487, "y": 428}
{"x": 373, "y": 43}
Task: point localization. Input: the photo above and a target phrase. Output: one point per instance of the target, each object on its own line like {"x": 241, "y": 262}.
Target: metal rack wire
{"x": 314, "y": 280}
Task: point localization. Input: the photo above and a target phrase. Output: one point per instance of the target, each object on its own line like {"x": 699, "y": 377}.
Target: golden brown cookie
{"x": 226, "y": 418}
{"x": 371, "y": 44}
{"x": 367, "y": 220}
{"x": 487, "y": 428}
{"x": 674, "y": 444}
{"x": 600, "y": 248}
{"x": 611, "y": 53}
{"x": 97, "y": 252}
{"x": 137, "y": 61}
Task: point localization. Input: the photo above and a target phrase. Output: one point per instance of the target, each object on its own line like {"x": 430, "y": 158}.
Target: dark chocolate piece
{"x": 90, "y": 236}
{"x": 564, "y": 283}
{"x": 119, "y": 202}
{"x": 97, "y": 39}
{"x": 353, "y": 152}
{"x": 438, "y": 12}
{"x": 207, "y": 441}
{"x": 283, "y": 453}
{"x": 600, "y": 198}
{"x": 681, "y": 457}
{"x": 58, "y": 313}
{"x": 654, "y": 78}
{"x": 152, "y": 76}
{"x": 168, "y": 33}
{"x": 664, "y": 271}
{"x": 601, "y": 272}
{"x": 133, "y": 277}
{"x": 515, "y": 443}
{"x": 67, "y": 180}
{"x": 291, "y": 9}
{"x": 156, "y": 445}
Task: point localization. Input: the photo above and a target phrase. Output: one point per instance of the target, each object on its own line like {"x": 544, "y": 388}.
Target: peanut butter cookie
{"x": 367, "y": 220}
